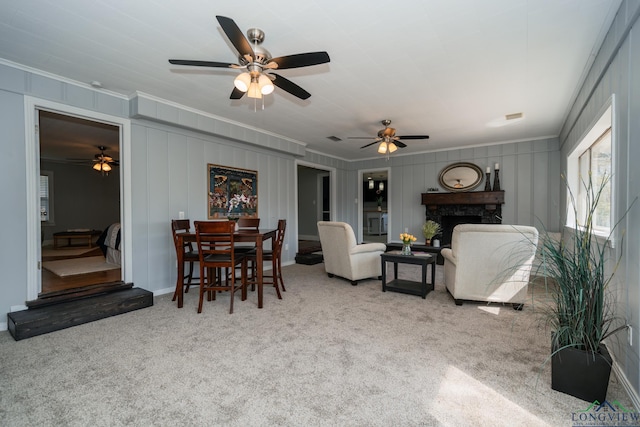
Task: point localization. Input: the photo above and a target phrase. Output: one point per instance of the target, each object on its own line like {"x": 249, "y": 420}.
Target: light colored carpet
{"x": 50, "y": 252}
{"x": 327, "y": 354}
{"x": 74, "y": 266}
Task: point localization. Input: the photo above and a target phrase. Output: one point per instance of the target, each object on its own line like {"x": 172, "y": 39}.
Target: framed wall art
{"x": 232, "y": 192}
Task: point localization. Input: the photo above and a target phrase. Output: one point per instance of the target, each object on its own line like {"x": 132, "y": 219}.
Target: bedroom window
{"x": 46, "y": 198}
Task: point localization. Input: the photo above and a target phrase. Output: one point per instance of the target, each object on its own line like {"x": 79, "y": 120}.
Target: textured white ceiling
{"x": 446, "y": 68}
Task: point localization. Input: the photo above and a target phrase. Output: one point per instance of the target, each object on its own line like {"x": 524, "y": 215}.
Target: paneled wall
{"x": 529, "y": 175}
{"x": 170, "y": 150}
{"x": 170, "y": 176}
{"x": 616, "y": 71}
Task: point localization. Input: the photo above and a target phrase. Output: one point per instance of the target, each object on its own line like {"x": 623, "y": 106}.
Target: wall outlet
{"x": 180, "y": 215}
{"x": 286, "y": 246}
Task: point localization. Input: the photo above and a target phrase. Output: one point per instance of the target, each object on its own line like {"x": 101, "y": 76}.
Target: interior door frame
{"x": 320, "y": 194}
{"x": 31, "y": 108}
{"x": 332, "y": 191}
{"x": 360, "y": 222}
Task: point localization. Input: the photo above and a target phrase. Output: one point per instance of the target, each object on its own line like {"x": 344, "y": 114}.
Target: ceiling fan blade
{"x": 201, "y": 63}
{"x": 360, "y": 137}
{"x": 414, "y": 137}
{"x": 399, "y": 143}
{"x": 236, "y": 93}
{"x": 289, "y": 86}
{"x": 236, "y": 37}
{"x": 371, "y": 143}
{"x": 301, "y": 60}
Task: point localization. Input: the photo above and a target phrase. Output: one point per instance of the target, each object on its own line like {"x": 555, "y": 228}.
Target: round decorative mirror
{"x": 460, "y": 176}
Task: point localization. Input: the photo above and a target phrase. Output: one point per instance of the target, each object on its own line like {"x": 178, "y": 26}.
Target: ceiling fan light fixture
{"x": 382, "y": 148}
{"x": 242, "y": 82}
{"x": 392, "y": 147}
{"x": 102, "y": 167}
{"x": 254, "y": 88}
{"x": 254, "y": 91}
{"x": 266, "y": 87}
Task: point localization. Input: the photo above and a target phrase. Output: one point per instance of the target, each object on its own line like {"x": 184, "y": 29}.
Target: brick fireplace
{"x": 451, "y": 209}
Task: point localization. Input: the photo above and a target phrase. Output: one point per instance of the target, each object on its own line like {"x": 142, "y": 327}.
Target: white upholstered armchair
{"x": 490, "y": 262}
{"x": 344, "y": 257}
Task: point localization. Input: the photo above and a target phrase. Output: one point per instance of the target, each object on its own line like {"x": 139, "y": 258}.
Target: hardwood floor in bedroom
{"x": 52, "y": 283}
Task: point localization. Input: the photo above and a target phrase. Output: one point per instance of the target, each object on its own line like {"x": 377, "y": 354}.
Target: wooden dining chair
{"x": 217, "y": 253}
{"x": 275, "y": 256}
{"x": 189, "y": 255}
{"x": 248, "y": 223}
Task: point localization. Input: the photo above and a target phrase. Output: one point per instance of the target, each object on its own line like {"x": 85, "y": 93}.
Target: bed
{"x": 109, "y": 242}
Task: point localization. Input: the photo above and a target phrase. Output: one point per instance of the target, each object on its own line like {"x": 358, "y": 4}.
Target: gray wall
{"x": 170, "y": 149}
{"x": 13, "y": 209}
{"x": 616, "y": 70}
{"x": 170, "y": 176}
{"x": 83, "y": 198}
{"x": 529, "y": 175}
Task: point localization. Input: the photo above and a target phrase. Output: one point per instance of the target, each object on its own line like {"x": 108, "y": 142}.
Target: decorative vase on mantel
{"x": 496, "y": 179}
{"x": 427, "y": 242}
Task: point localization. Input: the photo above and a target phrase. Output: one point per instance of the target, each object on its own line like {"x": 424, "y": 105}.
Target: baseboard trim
{"x": 626, "y": 384}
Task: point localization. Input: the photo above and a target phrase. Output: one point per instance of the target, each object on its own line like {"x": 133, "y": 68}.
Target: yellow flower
{"x": 407, "y": 238}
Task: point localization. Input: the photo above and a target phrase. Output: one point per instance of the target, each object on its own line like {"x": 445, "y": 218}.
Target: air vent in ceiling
{"x": 514, "y": 116}
{"x": 334, "y": 138}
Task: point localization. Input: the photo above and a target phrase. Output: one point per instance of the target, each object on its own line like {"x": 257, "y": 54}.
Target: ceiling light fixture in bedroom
{"x": 103, "y": 167}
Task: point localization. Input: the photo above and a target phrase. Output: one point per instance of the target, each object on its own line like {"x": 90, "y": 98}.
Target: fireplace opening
{"x": 450, "y": 221}
{"x": 451, "y": 209}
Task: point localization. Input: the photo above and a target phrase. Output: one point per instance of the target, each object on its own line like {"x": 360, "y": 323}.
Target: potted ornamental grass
{"x": 578, "y": 270}
{"x": 429, "y": 230}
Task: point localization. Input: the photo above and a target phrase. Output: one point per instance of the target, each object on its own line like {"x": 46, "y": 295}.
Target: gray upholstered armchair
{"x": 342, "y": 255}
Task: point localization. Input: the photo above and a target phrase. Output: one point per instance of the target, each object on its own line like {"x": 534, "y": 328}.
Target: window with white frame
{"x": 595, "y": 164}
{"x": 46, "y": 198}
{"x": 592, "y": 161}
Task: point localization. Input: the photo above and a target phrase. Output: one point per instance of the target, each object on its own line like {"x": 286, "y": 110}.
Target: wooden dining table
{"x": 243, "y": 235}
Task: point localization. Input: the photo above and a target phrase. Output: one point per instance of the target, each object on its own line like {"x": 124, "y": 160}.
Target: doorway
{"x": 75, "y": 204}
{"x": 374, "y": 208}
{"x": 80, "y": 198}
{"x": 315, "y": 202}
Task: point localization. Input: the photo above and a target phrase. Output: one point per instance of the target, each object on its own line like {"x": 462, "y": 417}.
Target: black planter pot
{"x": 581, "y": 374}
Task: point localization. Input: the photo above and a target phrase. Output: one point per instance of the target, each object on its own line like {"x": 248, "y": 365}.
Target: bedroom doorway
{"x": 79, "y": 190}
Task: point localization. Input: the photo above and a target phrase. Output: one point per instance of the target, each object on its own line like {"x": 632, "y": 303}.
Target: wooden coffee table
{"x": 86, "y": 238}
{"x": 408, "y": 286}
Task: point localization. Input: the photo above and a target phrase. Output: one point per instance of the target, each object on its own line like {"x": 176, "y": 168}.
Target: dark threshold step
{"x": 309, "y": 259}
{"x": 41, "y": 320}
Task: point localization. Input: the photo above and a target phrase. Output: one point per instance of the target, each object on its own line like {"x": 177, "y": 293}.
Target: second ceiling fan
{"x": 258, "y": 79}
{"x": 389, "y": 141}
